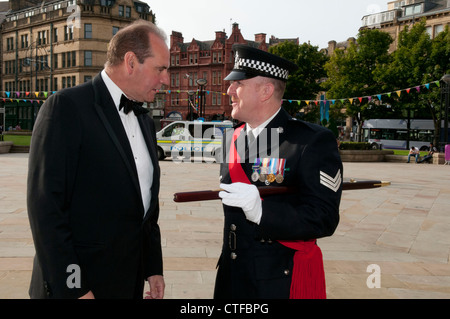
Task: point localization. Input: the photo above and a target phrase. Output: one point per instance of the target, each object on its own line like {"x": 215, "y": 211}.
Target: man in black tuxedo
{"x": 94, "y": 178}
{"x": 269, "y": 245}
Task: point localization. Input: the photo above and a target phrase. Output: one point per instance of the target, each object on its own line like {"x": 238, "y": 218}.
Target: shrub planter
{"x": 5, "y": 147}
{"x": 364, "y": 155}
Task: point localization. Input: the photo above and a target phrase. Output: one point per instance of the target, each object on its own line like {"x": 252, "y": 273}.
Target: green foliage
{"x": 351, "y": 71}
{"x": 305, "y": 82}
{"x": 19, "y": 140}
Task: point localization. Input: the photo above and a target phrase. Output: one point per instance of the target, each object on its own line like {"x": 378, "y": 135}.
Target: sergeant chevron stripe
{"x": 330, "y": 182}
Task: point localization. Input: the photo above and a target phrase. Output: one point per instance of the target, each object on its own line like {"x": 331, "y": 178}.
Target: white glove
{"x": 245, "y": 196}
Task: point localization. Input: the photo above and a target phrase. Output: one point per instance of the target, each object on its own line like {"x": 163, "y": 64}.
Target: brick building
{"x": 203, "y": 60}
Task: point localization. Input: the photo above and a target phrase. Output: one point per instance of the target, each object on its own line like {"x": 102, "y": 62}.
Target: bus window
{"x": 375, "y": 134}
{"x": 388, "y": 134}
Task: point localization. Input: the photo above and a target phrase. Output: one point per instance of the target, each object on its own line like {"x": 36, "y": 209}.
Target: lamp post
{"x": 445, "y": 98}
{"x": 190, "y": 104}
{"x": 202, "y": 83}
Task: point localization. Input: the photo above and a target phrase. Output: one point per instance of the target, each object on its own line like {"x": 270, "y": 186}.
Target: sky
{"x": 314, "y": 21}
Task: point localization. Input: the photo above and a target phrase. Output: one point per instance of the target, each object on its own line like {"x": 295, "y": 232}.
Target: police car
{"x": 191, "y": 138}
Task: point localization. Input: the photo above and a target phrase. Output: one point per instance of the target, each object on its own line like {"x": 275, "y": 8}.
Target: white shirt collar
{"x": 255, "y": 131}
{"x": 114, "y": 90}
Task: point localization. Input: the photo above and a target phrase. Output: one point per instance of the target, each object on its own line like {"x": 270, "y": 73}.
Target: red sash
{"x": 308, "y": 275}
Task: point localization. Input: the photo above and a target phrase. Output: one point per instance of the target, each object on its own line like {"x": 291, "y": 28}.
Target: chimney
{"x": 220, "y": 35}
{"x": 176, "y": 37}
{"x": 260, "y": 37}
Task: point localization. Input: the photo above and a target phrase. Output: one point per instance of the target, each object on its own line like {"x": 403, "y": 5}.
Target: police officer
{"x": 269, "y": 244}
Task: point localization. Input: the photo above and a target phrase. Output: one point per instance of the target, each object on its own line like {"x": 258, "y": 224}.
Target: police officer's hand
{"x": 245, "y": 196}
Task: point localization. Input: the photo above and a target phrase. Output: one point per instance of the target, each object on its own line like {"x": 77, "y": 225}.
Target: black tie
{"x": 129, "y": 105}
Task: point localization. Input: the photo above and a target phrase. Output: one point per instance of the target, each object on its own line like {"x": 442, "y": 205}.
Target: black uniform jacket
{"x": 253, "y": 264}
{"x": 84, "y": 199}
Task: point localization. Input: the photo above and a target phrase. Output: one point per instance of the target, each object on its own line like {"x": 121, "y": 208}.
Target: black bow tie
{"x": 129, "y": 106}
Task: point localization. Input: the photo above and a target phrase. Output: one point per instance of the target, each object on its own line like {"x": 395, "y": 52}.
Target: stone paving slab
{"x": 403, "y": 229}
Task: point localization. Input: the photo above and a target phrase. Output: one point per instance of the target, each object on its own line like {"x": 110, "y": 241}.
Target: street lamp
{"x": 445, "y": 97}
{"x": 190, "y": 104}
{"x": 202, "y": 83}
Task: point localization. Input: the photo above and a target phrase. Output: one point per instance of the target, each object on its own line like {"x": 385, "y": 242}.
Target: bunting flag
{"x": 379, "y": 96}
{"x": 40, "y": 96}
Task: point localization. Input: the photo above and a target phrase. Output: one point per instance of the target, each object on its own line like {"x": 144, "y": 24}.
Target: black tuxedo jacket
{"x": 253, "y": 264}
{"x": 84, "y": 200}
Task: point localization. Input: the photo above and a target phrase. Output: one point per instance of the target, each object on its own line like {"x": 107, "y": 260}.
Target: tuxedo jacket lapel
{"x": 107, "y": 112}
{"x": 148, "y": 132}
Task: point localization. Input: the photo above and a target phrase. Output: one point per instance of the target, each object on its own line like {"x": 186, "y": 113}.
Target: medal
{"x": 279, "y": 178}
{"x": 264, "y": 170}
{"x": 280, "y": 170}
{"x": 256, "y": 168}
{"x": 272, "y": 171}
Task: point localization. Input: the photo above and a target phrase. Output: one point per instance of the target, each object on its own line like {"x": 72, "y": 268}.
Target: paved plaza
{"x": 400, "y": 232}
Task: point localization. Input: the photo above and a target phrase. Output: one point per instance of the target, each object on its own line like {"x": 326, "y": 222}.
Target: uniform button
{"x": 263, "y": 241}
{"x": 233, "y": 256}
{"x": 233, "y": 227}
{"x": 287, "y": 272}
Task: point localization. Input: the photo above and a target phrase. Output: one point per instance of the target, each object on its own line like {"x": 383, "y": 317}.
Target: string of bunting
{"x": 369, "y": 98}
{"x": 40, "y": 96}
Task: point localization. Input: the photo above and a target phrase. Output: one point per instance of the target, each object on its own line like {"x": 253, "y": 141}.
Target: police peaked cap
{"x": 251, "y": 62}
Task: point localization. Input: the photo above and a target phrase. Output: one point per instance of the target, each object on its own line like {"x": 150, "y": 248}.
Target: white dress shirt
{"x": 257, "y": 130}
{"x": 141, "y": 154}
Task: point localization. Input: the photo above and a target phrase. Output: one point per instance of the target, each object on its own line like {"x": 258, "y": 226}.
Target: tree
{"x": 304, "y": 84}
{"x": 418, "y": 59}
{"x": 351, "y": 72}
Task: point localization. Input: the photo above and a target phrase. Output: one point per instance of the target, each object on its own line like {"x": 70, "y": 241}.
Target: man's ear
{"x": 130, "y": 62}
{"x": 267, "y": 91}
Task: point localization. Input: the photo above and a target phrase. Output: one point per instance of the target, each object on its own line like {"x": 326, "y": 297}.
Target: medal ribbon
{"x": 281, "y": 166}
{"x": 308, "y": 275}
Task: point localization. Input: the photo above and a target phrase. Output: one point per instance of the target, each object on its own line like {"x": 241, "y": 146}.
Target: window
{"x": 121, "y": 11}
{"x": 24, "y": 41}
{"x": 9, "y": 44}
{"x": 438, "y": 29}
{"x": 68, "y": 33}
{"x": 87, "y": 58}
{"x": 412, "y": 10}
{"x": 42, "y": 37}
{"x": 88, "y": 31}
{"x": 115, "y": 30}
{"x": 128, "y": 12}
{"x": 55, "y": 61}
{"x": 55, "y": 35}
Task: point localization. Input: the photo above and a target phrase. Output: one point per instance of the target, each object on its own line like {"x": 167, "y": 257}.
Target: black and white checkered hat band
{"x": 264, "y": 67}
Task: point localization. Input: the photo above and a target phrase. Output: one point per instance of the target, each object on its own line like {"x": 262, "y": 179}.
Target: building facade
{"x": 51, "y": 45}
{"x": 402, "y": 13}
{"x": 197, "y": 70}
